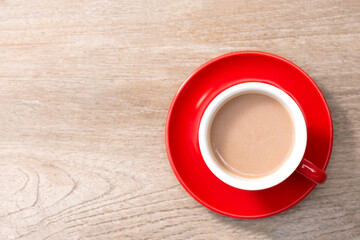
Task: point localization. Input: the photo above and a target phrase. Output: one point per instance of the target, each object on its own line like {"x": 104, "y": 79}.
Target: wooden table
{"x": 85, "y": 89}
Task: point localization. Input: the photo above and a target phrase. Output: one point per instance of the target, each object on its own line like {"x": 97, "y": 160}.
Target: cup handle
{"x": 312, "y": 172}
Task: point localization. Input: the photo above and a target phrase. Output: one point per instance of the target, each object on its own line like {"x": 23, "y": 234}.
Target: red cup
{"x": 295, "y": 160}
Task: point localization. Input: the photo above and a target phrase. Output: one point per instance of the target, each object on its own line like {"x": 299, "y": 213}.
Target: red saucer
{"x": 189, "y": 104}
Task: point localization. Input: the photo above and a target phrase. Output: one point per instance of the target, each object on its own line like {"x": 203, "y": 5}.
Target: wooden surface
{"x": 85, "y": 88}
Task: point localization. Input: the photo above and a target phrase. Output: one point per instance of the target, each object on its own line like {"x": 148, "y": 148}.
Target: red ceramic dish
{"x": 189, "y": 104}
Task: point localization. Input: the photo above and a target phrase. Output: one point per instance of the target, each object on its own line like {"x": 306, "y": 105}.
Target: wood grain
{"x": 85, "y": 89}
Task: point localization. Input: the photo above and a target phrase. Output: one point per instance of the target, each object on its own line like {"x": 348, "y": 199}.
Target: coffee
{"x": 252, "y": 135}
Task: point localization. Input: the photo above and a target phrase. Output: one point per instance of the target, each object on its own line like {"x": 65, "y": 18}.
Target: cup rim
{"x": 293, "y": 160}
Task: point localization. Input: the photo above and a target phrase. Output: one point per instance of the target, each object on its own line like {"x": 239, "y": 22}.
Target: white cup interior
{"x": 294, "y": 158}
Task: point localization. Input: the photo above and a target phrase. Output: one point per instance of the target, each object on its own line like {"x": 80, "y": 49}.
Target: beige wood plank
{"x": 85, "y": 88}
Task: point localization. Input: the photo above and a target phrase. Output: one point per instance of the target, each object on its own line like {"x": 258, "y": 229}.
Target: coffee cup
{"x": 253, "y": 136}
